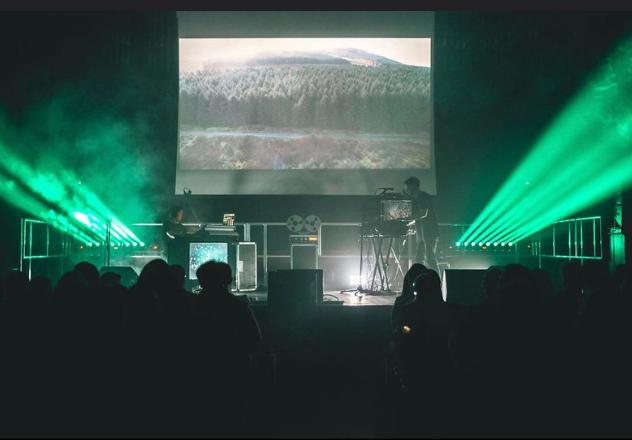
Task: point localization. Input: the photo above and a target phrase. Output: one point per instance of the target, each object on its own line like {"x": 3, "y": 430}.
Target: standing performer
{"x": 424, "y": 218}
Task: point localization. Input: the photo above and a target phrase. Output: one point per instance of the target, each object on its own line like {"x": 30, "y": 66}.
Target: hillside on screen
{"x": 328, "y": 108}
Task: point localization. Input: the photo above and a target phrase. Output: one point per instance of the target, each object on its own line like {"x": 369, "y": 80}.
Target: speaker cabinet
{"x": 463, "y": 286}
{"x": 304, "y": 256}
{"x": 246, "y": 277}
{"x": 295, "y": 287}
{"x": 128, "y": 275}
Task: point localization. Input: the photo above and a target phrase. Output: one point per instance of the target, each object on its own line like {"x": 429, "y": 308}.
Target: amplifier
{"x": 303, "y": 239}
{"x": 246, "y": 277}
{"x": 304, "y": 256}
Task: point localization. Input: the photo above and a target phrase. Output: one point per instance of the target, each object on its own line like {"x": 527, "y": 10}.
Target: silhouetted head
{"x": 518, "y": 290}
{"x": 513, "y": 272}
{"x": 70, "y": 303}
{"x": 413, "y": 272}
{"x": 427, "y": 287}
{"x": 90, "y": 271}
{"x": 214, "y": 275}
{"x": 178, "y": 272}
{"x": 157, "y": 276}
{"x": 72, "y": 285}
{"x": 176, "y": 213}
{"x": 490, "y": 283}
{"x": 544, "y": 283}
{"x": 519, "y": 298}
{"x": 411, "y": 186}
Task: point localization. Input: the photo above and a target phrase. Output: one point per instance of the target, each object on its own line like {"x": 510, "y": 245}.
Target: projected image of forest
{"x": 331, "y": 109}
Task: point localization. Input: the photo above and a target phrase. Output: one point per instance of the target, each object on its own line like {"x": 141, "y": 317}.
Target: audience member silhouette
{"x": 231, "y": 325}
{"x": 169, "y": 308}
{"x": 229, "y": 338}
{"x": 421, "y": 344}
{"x": 566, "y": 310}
{"x": 498, "y": 372}
{"x": 17, "y": 305}
{"x": 598, "y": 308}
{"x": 425, "y": 326}
{"x": 16, "y": 285}
{"x": 490, "y": 284}
{"x": 70, "y": 340}
{"x": 174, "y": 302}
{"x": 149, "y": 360}
{"x": 407, "y": 295}
{"x": 179, "y": 273}
{"x": 21, "y": 344}
{"x": 487, "y": 308}
{"x": 41, "y": 291}
{"x": 91, "y": 272}
{"x": 70, "y": 305}
{"x": 546, "y": 289}
{"x": 110, "y": 298}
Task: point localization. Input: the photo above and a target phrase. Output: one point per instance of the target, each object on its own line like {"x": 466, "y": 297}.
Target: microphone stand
{"x": 187, "y": 195}
{"x": 364, "y": 235}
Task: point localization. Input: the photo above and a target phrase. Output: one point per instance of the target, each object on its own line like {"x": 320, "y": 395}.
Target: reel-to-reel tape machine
{"x": 304, "y": 241}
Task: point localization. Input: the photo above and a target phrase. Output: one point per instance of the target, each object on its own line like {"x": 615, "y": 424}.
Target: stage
{"x": 331, "y": 298}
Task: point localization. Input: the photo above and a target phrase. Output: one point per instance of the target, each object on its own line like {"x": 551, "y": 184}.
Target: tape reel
{"x": 312, "y": 223}
{"x": 295, "y": 223}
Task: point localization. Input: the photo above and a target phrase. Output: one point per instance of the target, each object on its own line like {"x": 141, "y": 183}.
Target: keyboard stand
{"x": 379, "y": 254}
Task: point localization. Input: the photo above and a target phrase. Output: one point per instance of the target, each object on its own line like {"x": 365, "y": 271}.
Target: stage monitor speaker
{"x": 463, "y": 286}
{"x": 128, "y": 274}
{"x": 295, "y": 287}
{"x": 246, "y": 277}
{"x": 304, "y": 256}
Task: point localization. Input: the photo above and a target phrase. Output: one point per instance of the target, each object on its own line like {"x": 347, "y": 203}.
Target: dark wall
{"x": 500, "y": 78}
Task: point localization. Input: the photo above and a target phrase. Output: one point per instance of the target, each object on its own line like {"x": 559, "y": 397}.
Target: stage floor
{"x": 332, "y": 298}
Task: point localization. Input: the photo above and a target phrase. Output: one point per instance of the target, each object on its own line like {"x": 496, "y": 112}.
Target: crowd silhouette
{"x": 529, "y": 361}
{"x": 90, "y": 357}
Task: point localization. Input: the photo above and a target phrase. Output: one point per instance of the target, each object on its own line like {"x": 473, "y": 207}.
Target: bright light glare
{"x": 583, "y": 158}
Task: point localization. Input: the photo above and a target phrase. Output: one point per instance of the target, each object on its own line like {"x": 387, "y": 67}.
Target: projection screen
{"x": 295, "y": 115}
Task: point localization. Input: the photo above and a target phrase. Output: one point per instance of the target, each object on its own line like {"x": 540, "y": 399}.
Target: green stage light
{"x": 55, "y": 197}
{"x": 583, "y": 158}
{"x": 18, "y": 195}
